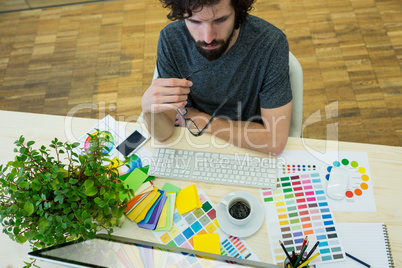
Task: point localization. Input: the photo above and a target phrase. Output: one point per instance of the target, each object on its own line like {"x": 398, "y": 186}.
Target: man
{"x": 226, "y": 53}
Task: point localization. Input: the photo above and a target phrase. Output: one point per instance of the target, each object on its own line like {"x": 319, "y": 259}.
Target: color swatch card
{"x": 203, "y": 221}
{"x": 109, "y": 127}
{"x": 359, "y": 195}
{"x": 299, "y": 208}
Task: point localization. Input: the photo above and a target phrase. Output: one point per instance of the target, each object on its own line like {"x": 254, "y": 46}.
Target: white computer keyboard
{"x": 240, "y": 170}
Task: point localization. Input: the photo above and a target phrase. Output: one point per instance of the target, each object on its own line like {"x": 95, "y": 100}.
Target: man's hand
{"x": 165, "y": 94}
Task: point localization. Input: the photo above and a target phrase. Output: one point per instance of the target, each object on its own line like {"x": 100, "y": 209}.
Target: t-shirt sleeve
{"x": 166, "y": 65}
{"x": 276, "y": 90}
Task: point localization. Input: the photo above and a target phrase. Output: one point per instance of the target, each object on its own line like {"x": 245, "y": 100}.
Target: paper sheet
{"x": 296, "y": 209}
{"x": 360, "y": 193}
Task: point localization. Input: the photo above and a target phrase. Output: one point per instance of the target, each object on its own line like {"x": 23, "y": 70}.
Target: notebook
{"x": 365, "y": 241}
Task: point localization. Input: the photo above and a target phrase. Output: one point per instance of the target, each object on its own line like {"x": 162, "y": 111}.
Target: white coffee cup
{"x": 238, "y": 209}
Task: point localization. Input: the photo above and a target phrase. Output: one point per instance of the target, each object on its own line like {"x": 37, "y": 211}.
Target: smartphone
{"x": 134, "y": 141}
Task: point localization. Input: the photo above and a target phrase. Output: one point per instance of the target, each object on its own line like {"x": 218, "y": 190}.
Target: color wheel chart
{"x": 299, "y": 208}
{"x": 109, "y": 127}
{"x": 360, "y": 193}
{"x": 201, "y": 221}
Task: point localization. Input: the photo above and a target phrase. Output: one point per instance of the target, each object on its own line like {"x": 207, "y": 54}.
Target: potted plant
{"x": 50, "y": 196}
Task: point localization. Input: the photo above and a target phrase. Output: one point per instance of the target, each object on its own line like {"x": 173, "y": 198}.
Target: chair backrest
{"x": 296, "y": 83}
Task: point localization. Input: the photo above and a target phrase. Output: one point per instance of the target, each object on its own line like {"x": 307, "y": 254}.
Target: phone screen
{"x": 131, "y": 143}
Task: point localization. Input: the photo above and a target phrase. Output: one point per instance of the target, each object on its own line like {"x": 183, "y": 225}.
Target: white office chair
{"x": 296, "y": 83}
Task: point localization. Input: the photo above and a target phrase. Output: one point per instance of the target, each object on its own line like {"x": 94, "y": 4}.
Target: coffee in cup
{"x": 238, "y": 209}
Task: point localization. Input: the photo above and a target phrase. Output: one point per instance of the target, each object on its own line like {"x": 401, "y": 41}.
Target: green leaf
{"x": 119, "y": 187}
{"x": 13, "y": 208}
{"x": 30, "y": 143}
{"x": 29, "y": 235}
{"x": 59, "y": 198}
{"x": 23, "y": 184}
{"x": 43, "y": 226}
{"x": 75, "y": 145}
{"x": 29, "y": 208}
{"x": 16, "y": 230}
{"x": 91, "y": 191}
{"x": 17, "y": 164}
{"x": 102, "y": 190}
{"x": 13, "y": 187}
{"x": 85, "y": 215}
{"x": 73, "y": 181}
{"x": 21, "y": 239}
{"x": 89, "y": 183}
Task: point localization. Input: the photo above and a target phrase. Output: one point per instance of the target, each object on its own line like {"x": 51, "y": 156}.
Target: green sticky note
{"x": 134, "y": 180}
{"x": 145, "y": 170}
{"x": 167, "y": 187}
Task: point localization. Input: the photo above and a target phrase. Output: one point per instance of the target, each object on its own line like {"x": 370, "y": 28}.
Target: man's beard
{"x": 214, "y": 54}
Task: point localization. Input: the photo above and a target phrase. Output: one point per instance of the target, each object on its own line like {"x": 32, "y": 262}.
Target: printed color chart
{"x": 201, "y": 221}
{"x": 360, "y": 194}
{"x": 299, "y": 208}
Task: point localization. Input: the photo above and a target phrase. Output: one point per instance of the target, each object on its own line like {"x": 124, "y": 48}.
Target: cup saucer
{"x": 257, "y": 216}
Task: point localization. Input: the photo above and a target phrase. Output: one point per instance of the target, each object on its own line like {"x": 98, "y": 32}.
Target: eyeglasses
{"x": 190, "y": 124}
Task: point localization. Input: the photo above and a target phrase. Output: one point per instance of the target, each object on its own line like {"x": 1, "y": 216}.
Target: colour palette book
{"x": 360, "y": 193}
{"x": 299, "y": 208}
{"x": 203, "y": 221}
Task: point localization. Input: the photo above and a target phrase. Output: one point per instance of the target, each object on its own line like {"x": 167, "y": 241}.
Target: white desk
{"x": 385, "y": 166}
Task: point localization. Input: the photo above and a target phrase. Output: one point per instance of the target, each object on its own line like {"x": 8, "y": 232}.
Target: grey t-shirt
{"x": 253, "y": 74}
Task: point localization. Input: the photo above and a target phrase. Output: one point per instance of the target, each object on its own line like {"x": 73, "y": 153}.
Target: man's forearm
{"x": 250, "y": 135}
{"x": 159, "y": 125}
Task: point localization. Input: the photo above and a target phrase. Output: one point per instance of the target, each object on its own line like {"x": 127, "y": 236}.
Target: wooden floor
{"x": 92, "y": 59}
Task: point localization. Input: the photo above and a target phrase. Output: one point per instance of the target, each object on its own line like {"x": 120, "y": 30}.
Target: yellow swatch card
{"x": 207, "y": 243}
{"x": 145, "y": 187}
{"x": 144, "y": 203}
{"x": 188, "y": 199}
{"x": 147, "y": 207}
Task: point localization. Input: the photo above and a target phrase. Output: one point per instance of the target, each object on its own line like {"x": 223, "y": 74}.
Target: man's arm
{"x": 159, "y": 104}
{"x": 269, "y": 137}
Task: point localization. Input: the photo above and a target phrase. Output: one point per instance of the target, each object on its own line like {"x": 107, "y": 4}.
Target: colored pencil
{"x": 304, "y": 243}
{"x": 300, "y": 255}
{"x": 309, "y": 260}
{"x": 356, "y": 259}
{"x": 293, "y": 255}
{"x": 312, "y": 250}
{"x": 286, "y": 252}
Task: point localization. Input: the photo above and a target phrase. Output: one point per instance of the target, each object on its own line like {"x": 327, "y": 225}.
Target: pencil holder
{"x": 287, "y": 264}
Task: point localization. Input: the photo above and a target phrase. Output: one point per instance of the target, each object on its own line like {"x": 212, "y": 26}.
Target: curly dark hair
{"x": 182, "y": 9}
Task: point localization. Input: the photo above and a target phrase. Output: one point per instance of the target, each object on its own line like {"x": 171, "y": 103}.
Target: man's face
{"x": 213, "y": 29}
